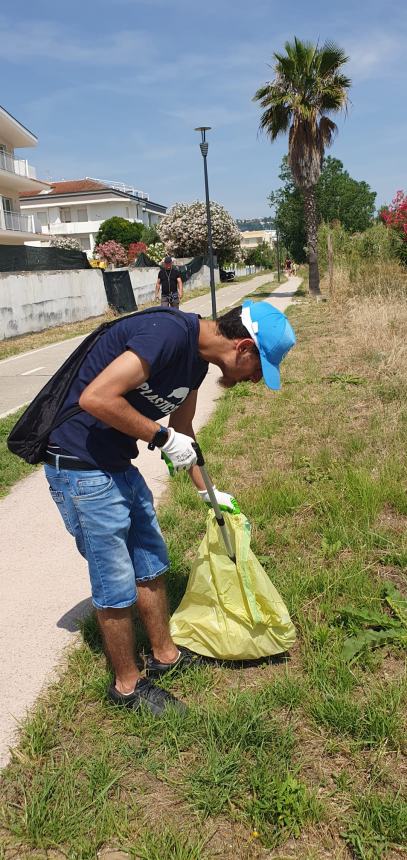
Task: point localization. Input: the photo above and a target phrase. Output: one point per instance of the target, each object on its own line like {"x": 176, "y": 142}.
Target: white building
{"x": 253, "y": 238}
{"x": 76, "y": 208}
{"x": 16, "y": 177}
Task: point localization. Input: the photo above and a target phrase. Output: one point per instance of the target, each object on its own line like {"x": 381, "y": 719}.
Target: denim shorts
{"x": 113, "y": 521}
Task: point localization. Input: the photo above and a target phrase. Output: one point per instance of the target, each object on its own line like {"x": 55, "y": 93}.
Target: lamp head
{"x": 203, "y": 129}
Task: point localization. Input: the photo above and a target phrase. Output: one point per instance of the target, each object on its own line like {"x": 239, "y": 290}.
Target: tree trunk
{"x": 311, "y": 226}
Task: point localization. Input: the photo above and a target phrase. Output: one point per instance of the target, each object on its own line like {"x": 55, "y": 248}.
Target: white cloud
{"x": 373, "y": 54}
{"x": 21, "y": 42}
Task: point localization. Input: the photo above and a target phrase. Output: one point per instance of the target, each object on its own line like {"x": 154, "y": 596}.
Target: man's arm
{"x": 180, "y": 288}
{"x": 181, "y": 422}
{"x": 157, "y": 289}
{"x": 104, "y": 396}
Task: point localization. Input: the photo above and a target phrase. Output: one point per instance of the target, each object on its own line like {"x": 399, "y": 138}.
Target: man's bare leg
{"x": 153, "y": 610}
{"x": 117, "y": 626}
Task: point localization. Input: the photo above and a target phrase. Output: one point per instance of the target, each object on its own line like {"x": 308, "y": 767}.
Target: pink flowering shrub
{"x": 112, "y": 252}
{"x": 135, "y": 249}
{"x": 395, "y": 217}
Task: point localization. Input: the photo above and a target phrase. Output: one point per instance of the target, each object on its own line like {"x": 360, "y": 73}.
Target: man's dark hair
{"x": 231, "y": 326}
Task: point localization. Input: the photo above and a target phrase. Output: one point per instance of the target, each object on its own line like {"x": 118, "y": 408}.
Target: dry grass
{"x": 380, "y": 326}
{"x": 373, "y": 299}
{"x": 385, "y": 278}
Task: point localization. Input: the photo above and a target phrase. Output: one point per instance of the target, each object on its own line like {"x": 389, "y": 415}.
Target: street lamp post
{"x": 204, "y": 146}
{"x": 278, "y": 253}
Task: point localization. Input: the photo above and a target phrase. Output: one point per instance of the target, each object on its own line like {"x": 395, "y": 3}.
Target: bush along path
{"x": 301, "y": 758}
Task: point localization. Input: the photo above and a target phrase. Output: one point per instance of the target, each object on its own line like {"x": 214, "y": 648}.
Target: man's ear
{"x": 245, "y": 344}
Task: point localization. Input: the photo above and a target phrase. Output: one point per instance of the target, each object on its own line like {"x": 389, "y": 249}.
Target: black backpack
{"x": 29, "y": 437}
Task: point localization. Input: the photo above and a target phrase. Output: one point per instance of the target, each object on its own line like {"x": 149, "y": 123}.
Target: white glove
{"x": 225, "y": 501}
{"x": 179, "y": 450}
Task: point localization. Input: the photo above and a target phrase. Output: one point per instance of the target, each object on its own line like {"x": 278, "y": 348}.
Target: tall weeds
{"x": 369, "y": 288}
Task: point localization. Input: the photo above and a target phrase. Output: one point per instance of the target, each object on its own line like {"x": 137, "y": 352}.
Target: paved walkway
{"x": 44, "y": 579}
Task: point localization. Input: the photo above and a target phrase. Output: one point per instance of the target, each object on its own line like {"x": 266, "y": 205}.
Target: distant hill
{"x": 255, "y": 223}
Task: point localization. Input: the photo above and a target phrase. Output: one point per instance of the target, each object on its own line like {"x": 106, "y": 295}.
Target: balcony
{"x": 16, "y": 165}
{"x": 16, "y": 174}
{"x": 16, "y": 228}
{"x": 67, "y": 228}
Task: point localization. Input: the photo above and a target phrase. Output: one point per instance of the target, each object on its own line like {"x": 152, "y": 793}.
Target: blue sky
{"x": 114, "y": 90}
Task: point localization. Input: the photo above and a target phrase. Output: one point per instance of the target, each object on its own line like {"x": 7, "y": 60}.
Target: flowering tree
{"x": 135, "y": 249}
{"x": 184, "y": 231}
{"x": 67, "y": 242}
{"x": 112, "y": 252}
{"x": 395, "y": 217}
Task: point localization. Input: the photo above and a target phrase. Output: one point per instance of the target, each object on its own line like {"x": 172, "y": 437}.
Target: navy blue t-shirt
{"x": 168, "y": 341}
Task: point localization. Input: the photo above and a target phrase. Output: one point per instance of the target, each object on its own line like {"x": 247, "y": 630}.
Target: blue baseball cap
{"x": 273, "y": 336}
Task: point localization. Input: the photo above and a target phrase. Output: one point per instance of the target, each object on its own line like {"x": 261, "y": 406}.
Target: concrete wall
{"x": 31, "y": 301}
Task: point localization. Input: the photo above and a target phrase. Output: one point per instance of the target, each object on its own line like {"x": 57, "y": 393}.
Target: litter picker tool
{"x": 217, "y": 511}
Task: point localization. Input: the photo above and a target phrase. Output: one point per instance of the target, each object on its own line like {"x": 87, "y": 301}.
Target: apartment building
{"x": 76, "y": 208}
{"x": 17, "y": 177}
{"x": 253, "y": 238}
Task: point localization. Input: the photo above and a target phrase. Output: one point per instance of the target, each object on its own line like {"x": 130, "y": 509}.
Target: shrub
{"x": 150, "y": 235}
{"x": 263, "y": 256}
{"x": 119, "y": 230}
{"x": 395, "y": 218}
{"x": 67, "y": 242}
{"x": 112, "y": 252}
{"x": 135, "y": 249}
{"x": 376, "y": 244}
{"x": 156, "y": 252}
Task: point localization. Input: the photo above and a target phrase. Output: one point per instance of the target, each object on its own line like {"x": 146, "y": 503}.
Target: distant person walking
{"x": 169, "y": 283}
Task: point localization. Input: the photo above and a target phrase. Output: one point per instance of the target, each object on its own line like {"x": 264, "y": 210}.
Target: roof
{"x": 70, "y": 186}
{"x": 20, "y": 135}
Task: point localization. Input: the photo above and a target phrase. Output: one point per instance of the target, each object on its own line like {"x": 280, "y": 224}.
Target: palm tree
{"x": 308, "y": 84}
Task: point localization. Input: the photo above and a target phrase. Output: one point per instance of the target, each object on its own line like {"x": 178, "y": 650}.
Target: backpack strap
{"x": 74, "y": 410}
{"x": 69, "y": 414}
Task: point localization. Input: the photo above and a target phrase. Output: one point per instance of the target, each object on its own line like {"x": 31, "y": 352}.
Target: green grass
{"x": 378, "y": 823}
{"x": 11, "y": 467}
{"x": 309, "y": 749}
{"x": 168, "y": 843}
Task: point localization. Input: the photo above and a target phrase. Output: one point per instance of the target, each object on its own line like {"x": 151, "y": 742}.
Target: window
{"x": 7, "y": 204}
{"x": 82, "y": 214}
{"x": 84, "y": 242}
{"x": 66, "y": 215}
{"x": 42, "y": 218}
{"x": 127, "y": 212}
{"x": 3, "y": 157}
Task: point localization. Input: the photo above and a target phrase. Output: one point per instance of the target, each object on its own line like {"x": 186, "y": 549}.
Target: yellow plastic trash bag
{"x": 231, "y": 612}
